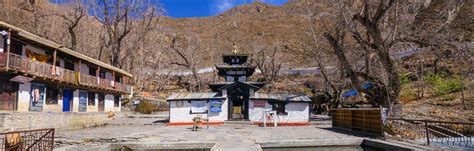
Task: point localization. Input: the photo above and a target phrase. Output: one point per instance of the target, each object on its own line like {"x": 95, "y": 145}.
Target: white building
{"x": 237, "y": 99}
{"x": 42, "y": 76}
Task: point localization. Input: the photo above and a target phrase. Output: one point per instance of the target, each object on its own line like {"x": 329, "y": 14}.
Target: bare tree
{"x": 185, "y": 49}
{"x": 117, "y": 19}
{"x": 72, "y": 19}
{"x": 268, "y": 62}
{"x": 316, "y": 51}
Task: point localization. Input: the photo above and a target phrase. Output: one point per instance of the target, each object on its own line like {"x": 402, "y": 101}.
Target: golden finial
{"x": 236, "y": 49}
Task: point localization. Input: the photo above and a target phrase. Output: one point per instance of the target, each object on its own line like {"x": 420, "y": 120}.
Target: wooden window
{"x": 51, "y": 95}
{"x": 91, "y": 99}
{"x": 69, "y": 65}
{"x": 279, "y": 107}
{"x": 116, "y": 101}
{"x": 118, "y": 79}
{"x": 92, "y": 71}
{"x": 16, "y": 47}
{"x": 102, "y": 74}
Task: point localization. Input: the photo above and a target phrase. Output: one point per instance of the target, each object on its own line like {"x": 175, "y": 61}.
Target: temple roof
{"x": 223, "y": 68}
{"x": 193, "y": 96}
{"x": 216, "y": 87}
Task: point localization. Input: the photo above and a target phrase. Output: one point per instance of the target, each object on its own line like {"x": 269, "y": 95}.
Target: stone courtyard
{"x": 152, "y": 129}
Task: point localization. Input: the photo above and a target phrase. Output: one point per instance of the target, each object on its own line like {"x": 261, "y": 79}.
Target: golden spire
{"x": 236, "y": 49}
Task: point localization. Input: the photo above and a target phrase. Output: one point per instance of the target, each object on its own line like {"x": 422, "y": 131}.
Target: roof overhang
{"x": 193, "y": 96}
{"x": 25, "y": 35}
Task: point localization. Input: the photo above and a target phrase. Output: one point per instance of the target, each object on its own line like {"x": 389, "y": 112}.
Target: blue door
{"x": 67, "y": 99}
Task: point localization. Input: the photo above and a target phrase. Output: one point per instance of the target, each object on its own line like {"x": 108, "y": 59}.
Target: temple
{"x": 237, "y": 98}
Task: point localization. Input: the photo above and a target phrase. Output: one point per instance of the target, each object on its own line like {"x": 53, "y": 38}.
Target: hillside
{"x": 438, "y": 26}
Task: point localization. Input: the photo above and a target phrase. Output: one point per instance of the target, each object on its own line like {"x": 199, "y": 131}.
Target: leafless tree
{"x": 72, "y": 19}
{"x": 118, "y": 19}
{"x": 268, "y": 62}
{"x": 185, "y": 48}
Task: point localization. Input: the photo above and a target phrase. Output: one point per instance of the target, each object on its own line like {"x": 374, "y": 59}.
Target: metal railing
{"x": 458, "y": 134}
{"x": 40, "y": 139}
{"x": 38, "y": 69}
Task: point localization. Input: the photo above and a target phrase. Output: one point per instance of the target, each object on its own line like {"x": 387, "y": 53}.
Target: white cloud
{"x": 223, "y": 5}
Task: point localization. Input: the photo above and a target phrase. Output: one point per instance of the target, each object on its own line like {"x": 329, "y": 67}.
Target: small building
{"x": 238, "y": 99}
{"x": 39, "y": 75}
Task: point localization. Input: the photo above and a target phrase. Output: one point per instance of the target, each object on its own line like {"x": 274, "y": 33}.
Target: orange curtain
{"x": 36, "y": 56}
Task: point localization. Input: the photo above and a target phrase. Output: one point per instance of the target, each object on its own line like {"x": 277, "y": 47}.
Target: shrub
{"x": 443, "y": 84}
{"x": 145, "y": 107}
{"x": 432, "y": 78}
{"x": 448, "y": 85}
{"x": 407, "y": 95}
{"x": 404, "y": 79}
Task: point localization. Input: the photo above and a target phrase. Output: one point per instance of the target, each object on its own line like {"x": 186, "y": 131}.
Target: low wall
{"x": 37, "y": 120}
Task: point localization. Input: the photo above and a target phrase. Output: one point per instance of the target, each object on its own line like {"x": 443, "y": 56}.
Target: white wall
{"x": 75, "y": 101}
{"x": 109, "y": 104}
{"x": 297, "y": 112}
{"x": 182, "y": 114}
{"x": 24, "y": 97}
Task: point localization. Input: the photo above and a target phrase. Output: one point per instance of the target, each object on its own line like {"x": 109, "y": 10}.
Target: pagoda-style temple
{"x": 237, "y": 98}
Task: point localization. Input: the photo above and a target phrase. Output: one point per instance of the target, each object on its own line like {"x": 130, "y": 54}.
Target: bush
{"x": 432, "y": 78}
{"x": 404, "y": 79}
{"x": 443, "y": 84}
{"x": 145, "y": 107}
{"x": 407, "y": 95}
{"x": 448, "y": 85}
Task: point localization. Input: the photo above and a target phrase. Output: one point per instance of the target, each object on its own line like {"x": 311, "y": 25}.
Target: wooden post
{"x": 427, "y": 133}
{"x": 97, "y": 74}
{"x": 113, "y": 78}
{"x": 8, "y": 48}
{"x": 79, "y": 70}
{"x": 54, "y": 62}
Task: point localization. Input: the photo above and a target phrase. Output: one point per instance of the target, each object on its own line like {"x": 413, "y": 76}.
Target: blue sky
{"x": 199, "y": 8}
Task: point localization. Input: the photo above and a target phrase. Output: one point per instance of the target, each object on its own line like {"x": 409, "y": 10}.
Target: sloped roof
{"x": 216, "y": 86}
{"x": 281, "y": 97}
{"x": 48, "y": 43}
{"x": 236, "y": 83}
{"x": 193, "y": 96}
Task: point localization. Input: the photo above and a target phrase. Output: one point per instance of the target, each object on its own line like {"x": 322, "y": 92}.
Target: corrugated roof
{"x": 192, "y": 96}
{"x": 27, "y": 35}
{"x": 281, "y": 97}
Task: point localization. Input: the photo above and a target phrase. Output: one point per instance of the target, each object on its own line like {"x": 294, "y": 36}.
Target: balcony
{"x": 44, "y": 71}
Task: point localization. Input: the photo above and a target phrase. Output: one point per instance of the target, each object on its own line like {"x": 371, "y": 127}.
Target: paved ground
{"x": 152, "y": 129}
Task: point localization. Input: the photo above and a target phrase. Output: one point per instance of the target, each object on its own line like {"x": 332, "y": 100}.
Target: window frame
{"x": 280, "y": 109}
{"x": 55, "y": 96}
{"x": 89, "y": 95}
{"x": 117, "y": 101}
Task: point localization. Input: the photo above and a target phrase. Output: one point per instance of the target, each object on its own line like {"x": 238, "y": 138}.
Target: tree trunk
{"x": 72, "y": 34}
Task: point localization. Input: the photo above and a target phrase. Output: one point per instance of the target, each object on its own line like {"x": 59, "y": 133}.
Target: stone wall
{"x": 37, "y": 120}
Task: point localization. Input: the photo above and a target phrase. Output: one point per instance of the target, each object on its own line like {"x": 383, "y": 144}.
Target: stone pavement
{"x": 226, "y": 137}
